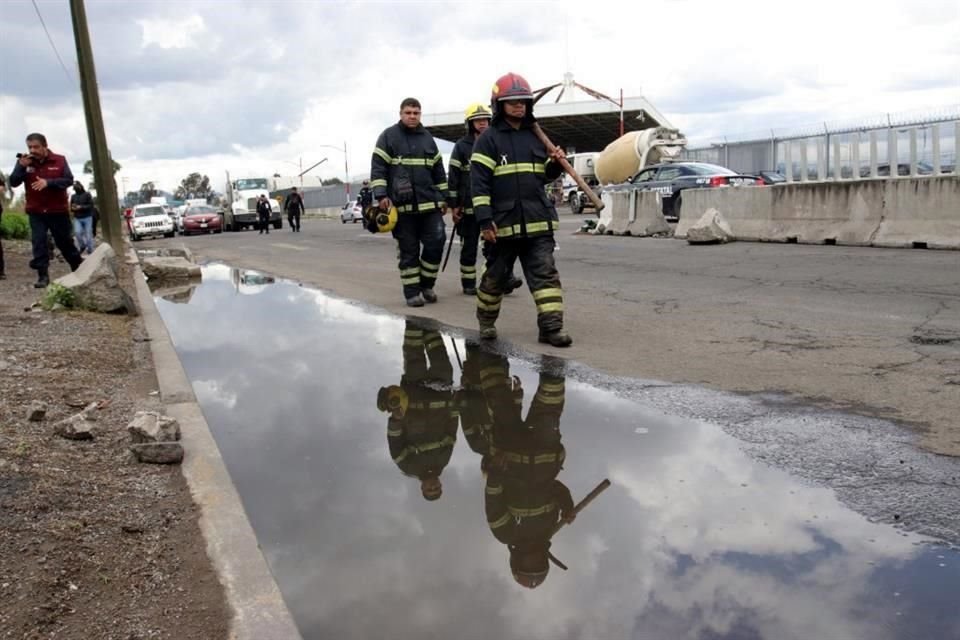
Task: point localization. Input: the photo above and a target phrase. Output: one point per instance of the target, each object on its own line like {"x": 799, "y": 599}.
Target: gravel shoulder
{"x": 94, "y": 544}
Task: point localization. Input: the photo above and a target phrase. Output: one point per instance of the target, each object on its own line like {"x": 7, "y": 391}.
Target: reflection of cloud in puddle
{"x": 210, "y": 391}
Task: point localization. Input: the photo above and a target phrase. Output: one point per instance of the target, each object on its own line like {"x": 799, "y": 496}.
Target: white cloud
{"x": 201, "y": 86}
{"x": 173, "y": 34}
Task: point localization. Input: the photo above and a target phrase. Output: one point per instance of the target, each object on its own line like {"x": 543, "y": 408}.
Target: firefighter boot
{"x": 558, "y": 338}
{"x": 429, "y": 295}
{"x": 488, "y": 332}
{"x": 415, "y": 301}
{"x": 43, "y": 279}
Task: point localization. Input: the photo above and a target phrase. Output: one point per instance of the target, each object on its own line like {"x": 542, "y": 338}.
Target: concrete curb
{"x": 254, "y": 598}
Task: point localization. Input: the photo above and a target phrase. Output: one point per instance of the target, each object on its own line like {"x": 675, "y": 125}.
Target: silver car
{"x": 351, "y": 212}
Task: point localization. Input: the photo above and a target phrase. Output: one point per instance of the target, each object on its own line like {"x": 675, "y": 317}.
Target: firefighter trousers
{"x": 419, "y": 267}
{"x": 425, "y": 356}
{"x": 536, "y": 259}
{"x": 470, "y": 232}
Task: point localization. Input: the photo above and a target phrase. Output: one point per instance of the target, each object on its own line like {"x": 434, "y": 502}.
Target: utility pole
{"x": 99, "y": 152}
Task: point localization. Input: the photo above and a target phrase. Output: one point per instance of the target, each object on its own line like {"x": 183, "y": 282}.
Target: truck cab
{"x": 241, "y": 208}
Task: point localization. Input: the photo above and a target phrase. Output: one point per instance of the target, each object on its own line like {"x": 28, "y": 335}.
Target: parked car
{"x": 202, "y": 219}
{"x": 351, "y": 212}
{"x": 671, "y": 178}
{"x": 771, "y": 177}
{"x": 149, "y": 220}
{"x": 903, "y": 169}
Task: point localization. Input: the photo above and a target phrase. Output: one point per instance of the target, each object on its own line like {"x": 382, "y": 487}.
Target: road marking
{"x": 282, "y": 245}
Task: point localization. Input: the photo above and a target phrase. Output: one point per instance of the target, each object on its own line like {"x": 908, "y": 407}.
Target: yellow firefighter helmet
{"x": 394, "y": 400}
{"x": 477, "y": 111}
{"x": 378, "y": 221}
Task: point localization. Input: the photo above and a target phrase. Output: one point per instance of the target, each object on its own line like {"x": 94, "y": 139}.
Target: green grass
{"x": 58, "y": 294}
{"x": 14, "y": 225}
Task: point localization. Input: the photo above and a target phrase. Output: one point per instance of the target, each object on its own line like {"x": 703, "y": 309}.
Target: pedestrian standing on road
{"x": 263, "y": 213}
{"x": 510, "y": 167}
{"x": 81, "y": 205}
{"x": 47, "y": 176}
{"x": 294, "y": 207}
{"x": 476, "y": 120}
{"x": 407, "y": 172}
{"x": 366, "y": 196}
{"x": 3, "y": 188}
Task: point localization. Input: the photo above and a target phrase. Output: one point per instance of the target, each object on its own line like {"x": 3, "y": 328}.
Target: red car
{"x": 201, "y": 219}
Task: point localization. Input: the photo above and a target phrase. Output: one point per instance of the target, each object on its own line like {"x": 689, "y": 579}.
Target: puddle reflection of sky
{"x": 693, "y": 540}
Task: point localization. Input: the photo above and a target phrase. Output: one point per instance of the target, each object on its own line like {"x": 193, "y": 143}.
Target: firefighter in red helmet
{"x": 510, "y": 167}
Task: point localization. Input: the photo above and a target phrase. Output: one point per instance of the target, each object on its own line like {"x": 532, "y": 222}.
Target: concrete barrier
{"x": 921, "y": 212}
{"x": 632, "y": 213}
{"x": 903, "y": 212}
{"x": 323, "y": 213}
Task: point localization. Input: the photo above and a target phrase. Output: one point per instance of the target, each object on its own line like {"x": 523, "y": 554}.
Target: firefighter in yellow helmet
{"x": 509, "y": 168}
{"x": 422, "y": 426}
{"x": 476, "y": 119}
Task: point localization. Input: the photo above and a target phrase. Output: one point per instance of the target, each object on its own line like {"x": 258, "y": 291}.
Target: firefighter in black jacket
{"x": 476, "y": 118}
{"x": 407, "y": 172}
{"x": 524, "y": 500}
{"x": 422, "y": 427}
{"x": 263, "y": 213}
{"x": 510, "y": 167}
{"x": 475, "y": 417}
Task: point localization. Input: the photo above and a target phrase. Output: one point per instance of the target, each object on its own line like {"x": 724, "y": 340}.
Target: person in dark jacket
{"x": 47, "y": 176}
{"x": 263, "y": 213}
{"x": 510, "y": 167}
{"x": 294, "y": 207}
{"x": 524, "y": 501}
{"x": 366, "y": 195}
{"x": 422, "y": 427}
{"x": 81, "y": 205}
{"x": 406, "y": 171}
{"x": 476, "y": 119}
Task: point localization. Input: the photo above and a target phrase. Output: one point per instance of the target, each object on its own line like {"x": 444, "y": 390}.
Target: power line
{"x": 50, "y": 40}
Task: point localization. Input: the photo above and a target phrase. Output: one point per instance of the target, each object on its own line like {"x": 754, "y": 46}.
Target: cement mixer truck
{"x": 622, "y": 159}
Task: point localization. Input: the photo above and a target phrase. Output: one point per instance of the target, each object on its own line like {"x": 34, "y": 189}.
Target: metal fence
{"x": 334, "y": 195}
{"x": 888, "y": 146}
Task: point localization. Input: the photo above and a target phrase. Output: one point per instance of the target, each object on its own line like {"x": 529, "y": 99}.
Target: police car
{"x": 670, "y": 179}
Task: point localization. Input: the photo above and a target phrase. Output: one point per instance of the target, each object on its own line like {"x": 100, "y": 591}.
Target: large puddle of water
{"x": 404, "y": 483}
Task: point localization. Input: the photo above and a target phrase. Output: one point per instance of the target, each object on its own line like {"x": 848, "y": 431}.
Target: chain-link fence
{"x": 890, "y": 145}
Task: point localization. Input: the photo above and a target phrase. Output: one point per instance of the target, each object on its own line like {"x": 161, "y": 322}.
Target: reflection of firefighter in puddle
{"x": 525, "y": 502}
{"x": 422, "y": 427}
{"x": 475, "y": 417}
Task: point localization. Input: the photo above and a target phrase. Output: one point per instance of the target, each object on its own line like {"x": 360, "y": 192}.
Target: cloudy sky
{"x": 195, "y": 85}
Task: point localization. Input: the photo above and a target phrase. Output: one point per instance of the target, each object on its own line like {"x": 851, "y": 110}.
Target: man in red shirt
{"x": 47, "y": 176}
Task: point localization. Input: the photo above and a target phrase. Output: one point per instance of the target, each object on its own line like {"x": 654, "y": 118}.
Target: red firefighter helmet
{"x": 511, "y": 87}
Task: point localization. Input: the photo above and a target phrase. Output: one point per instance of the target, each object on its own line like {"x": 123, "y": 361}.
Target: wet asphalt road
{"x": 872, "y": 331}
{"x": 728, "y": 517}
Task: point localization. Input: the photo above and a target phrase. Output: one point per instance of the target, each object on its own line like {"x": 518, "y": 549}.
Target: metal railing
{"x": 908, "y": 145}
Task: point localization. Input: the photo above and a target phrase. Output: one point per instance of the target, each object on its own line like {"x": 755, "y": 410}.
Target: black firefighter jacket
{"x": 415, "y": 152}
{"x": 459, "y": 175}
{"x": 509, "y": 170}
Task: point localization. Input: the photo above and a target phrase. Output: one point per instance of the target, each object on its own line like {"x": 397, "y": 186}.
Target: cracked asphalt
{"x": 875, "y": 332}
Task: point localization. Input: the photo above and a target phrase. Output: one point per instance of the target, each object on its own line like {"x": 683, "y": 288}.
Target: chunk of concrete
{"x": 95, "y": 285}
{"x": 150, "y": 426}
{"x": 76, "y": 427}
{"x": 158, "y": 452}
{"x": 170, "y": 268}
{"x": 711, "y": 228}
{"x": 37, "y": 411}
{"x": 176, "y": 252}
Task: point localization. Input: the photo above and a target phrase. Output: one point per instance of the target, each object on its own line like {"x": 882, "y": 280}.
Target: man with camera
{"x": 47, "y": 176}
{"x": 407, "y": 173}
